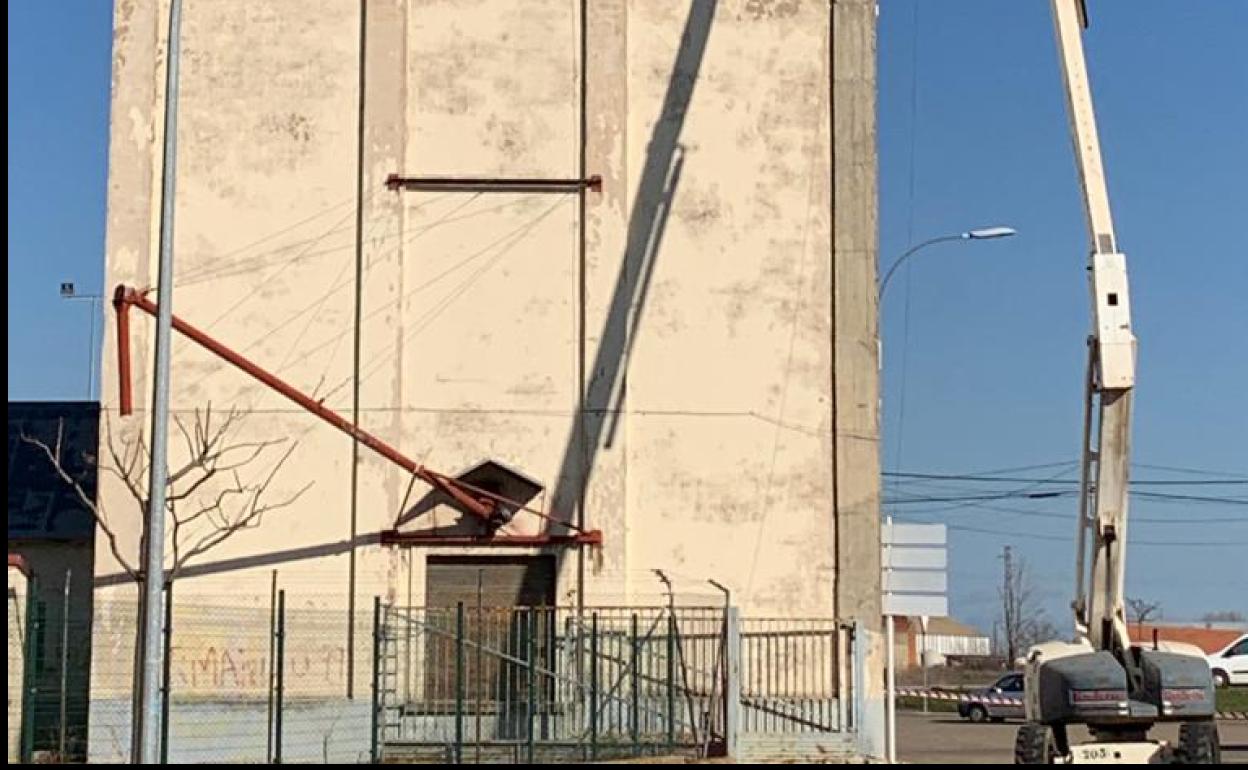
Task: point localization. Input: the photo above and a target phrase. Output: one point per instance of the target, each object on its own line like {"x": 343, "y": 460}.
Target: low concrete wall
{"x": 314, "y": 731}
{"x": 791, "y": 748}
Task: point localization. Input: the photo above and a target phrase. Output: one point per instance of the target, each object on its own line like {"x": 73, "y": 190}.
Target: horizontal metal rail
{"x": 492, "y": 184}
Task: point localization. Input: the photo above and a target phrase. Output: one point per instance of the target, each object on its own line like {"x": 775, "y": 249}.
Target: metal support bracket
{"x": 490, "y": 509}
{"x": 400, "y": 183}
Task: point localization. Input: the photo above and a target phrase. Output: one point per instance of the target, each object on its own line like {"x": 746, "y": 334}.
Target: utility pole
{"x": 154, "y": 569}
{"x": 1007, "y": 596}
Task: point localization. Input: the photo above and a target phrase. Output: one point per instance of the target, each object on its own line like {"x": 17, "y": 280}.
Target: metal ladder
{"x": 390, "y": 705}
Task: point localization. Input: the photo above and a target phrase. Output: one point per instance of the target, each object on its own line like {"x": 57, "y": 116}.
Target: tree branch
{"x": 94, "y": 507}
{"x": 233, "y": 508}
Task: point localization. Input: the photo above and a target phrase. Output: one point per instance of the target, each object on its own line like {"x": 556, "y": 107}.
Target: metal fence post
{"x": 634, "y": 718}
{"x": 29, "y": 664}
{"x": 64, "y": 694}
{"x": 842, "y": 681}
{"x": 532, "y": 631}
{"x": 268, "y": 728}
{"x": 593, "y": 687}
{"x": 280, "y": 691}
{"x": 166, "y": 667}
{"x": 373, "y": 746}
{"x": 732, "y": 680}
{"x": 459, "y": 683}
{"x": 33, "y": 661}
{"x": 671, "y": 679}
{"x": 858, "y": 644}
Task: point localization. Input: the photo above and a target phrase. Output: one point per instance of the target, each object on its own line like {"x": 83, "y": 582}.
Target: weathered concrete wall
{"x": 855, "y": 336}
{"x": 16, "y": 612}
{"x": 687, "y": 359}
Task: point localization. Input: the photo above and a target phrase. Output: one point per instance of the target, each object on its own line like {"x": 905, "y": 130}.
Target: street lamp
{"x": 70, "y": 292}
{"x": 982, "y": 234}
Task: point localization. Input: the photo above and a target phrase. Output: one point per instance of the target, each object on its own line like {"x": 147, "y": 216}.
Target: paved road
{"x": 943, "y": 738}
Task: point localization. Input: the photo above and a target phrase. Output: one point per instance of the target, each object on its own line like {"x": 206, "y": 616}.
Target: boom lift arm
{"x": 1099, "y": 605}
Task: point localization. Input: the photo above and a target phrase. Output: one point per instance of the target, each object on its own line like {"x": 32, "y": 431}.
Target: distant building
{"x": 1210, "y": 637}
{"x": 945, "y": 638}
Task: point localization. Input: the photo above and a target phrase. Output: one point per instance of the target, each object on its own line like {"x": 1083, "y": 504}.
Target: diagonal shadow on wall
{"x": 607, "y": 375}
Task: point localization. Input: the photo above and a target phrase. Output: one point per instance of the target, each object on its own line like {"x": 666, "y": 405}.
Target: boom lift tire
{"x": 1198, "y": 744}
{"x": 1034, "y": 745}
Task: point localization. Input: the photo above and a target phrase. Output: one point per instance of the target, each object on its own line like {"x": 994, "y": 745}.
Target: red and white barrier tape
{"x": 993, "y": 700}
{"x": 911, "y": 692}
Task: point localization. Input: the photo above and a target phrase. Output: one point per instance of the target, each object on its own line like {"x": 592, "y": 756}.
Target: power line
{"x": 953, "y": 502}
{"x": 1191, "y": 498}
{"x": 1064, "y": 539}
{"x": 970, "y": 498}
{"x": 1048, "y": 494}
{"x": 1192, "y": 471}
{"x": 912, "y": 174}
{"x": 1021, "y": 468}
{"x": 1020, "y": 479}
{"x": 1070, "y": 516}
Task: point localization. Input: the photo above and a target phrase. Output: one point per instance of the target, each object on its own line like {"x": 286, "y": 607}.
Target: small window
{"x": 1238, "y": 649}
{"x": 1113, "y": 299}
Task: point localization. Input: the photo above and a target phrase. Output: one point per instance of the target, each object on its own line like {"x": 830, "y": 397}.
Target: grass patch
{"x": 1233, "y": 699}
{"x": 908, "y": 703}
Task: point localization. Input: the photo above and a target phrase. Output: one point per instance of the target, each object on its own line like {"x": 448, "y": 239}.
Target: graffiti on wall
{"x": 209, "y": 667}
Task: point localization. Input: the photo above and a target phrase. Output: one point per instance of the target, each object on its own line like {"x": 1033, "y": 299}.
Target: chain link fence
{"x": 248, "y": 683}
{"x": 242, "y": 684}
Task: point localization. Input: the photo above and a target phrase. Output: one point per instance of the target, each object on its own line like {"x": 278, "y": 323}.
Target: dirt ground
{"x": 944, "y": 739}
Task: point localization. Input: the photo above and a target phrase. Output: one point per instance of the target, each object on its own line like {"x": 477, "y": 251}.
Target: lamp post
{"x": 981, "y": 234}
{"x": 70, "y": 292}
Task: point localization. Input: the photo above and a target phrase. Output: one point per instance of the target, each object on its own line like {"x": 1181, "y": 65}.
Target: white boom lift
{"x": 1119, "y": 691}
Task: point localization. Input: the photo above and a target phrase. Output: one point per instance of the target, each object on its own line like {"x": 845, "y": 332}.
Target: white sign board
{"x": 913, "y": 562}
{"x": 909, "y": 605}
{"x": 914, "y": 534}
{"x": 914, "y": 582}
{"x": 907, "y": 557}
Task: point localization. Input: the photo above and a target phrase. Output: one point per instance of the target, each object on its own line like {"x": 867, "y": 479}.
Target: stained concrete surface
{"x": 937, "y": 739}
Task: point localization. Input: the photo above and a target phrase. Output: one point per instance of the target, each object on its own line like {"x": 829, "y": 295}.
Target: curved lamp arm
{"x": 914, "y": 250}
{"x": 984, "y": 233}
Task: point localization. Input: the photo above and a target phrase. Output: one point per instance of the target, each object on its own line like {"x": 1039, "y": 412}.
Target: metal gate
{"x": 798, "y": 683}
{"x": 796, "y": 676}
{"x": 548, "y": 684}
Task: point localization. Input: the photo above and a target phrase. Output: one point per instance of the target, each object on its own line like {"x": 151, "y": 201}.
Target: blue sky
{"x": 972, "y": 132}
{"x": 59, "y": 73}
{"x": 992, "y": 362}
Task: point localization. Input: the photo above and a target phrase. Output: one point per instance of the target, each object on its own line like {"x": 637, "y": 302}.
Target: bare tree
{"x": 1140, "y": 611}
{"x": 1023, "y": 620}
{"x": 207, "y": 501}
{"x": 1224, "y": 616}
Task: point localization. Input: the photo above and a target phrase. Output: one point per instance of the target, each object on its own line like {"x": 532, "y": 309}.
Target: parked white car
{"x": 1230, "y": 665}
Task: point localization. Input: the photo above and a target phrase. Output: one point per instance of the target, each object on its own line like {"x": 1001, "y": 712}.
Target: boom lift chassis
{"x": 1118, "y": 690}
